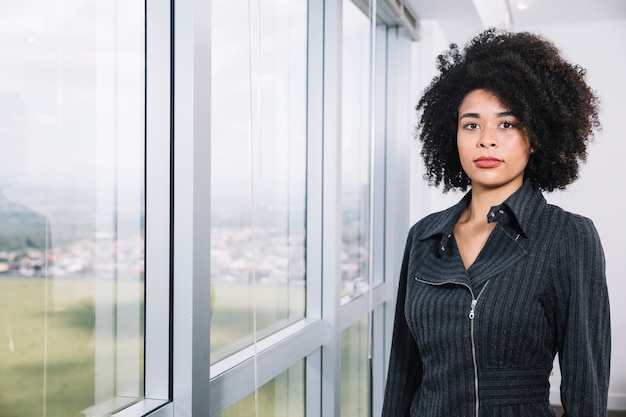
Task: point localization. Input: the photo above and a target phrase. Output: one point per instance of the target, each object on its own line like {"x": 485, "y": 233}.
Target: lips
{"x": 488, "y": 162}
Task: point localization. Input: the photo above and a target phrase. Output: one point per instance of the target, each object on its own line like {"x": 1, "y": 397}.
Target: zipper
{"x": 471, "y": 316}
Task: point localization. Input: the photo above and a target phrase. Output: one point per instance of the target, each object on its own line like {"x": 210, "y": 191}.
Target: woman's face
{"x": 493, "y": 146}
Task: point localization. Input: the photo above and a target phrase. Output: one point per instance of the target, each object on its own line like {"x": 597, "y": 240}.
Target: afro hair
{"x": 548, "y": 95}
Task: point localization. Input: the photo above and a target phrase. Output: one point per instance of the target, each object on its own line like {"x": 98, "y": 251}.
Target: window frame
{"x": 158, "y": 217}
{"x": 179, "y": 380}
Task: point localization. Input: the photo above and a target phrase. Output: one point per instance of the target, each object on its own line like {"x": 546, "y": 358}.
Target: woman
{"x": 494, "y": 287}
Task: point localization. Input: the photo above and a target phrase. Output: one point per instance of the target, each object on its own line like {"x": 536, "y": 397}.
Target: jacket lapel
{"x": 439, "y": 269}
{"x": 501, "y": 251}
{"x": 504, "y": 247}
{"x": 442, "y": 264}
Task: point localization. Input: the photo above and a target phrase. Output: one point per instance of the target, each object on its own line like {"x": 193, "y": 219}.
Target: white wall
{"x": 424, "y": 199}
{"x": 433, "y": 41}
{"x": 598, "y": 47}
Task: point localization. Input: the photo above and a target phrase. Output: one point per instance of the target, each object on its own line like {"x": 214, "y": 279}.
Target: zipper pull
{"x": 471, "y": 314}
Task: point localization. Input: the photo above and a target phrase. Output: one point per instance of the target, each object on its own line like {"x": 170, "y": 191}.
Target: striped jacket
{"x": 482, "y": 341}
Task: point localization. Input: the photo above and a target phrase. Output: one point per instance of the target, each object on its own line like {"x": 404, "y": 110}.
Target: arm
{"x": 584, "y": 335}
{"x": 405, "y": 367}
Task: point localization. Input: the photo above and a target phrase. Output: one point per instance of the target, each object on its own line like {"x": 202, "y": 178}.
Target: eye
{"x": 471, "y": 126}
{"x": 507, "y": 125}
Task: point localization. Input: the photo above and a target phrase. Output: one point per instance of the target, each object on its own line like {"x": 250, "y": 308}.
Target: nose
{"x": 488, "y": 139}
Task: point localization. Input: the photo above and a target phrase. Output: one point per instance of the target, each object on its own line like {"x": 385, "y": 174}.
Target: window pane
{"x": 71, "y": 205}
{"x": 355, "y": 169}
{"x": 282, "y": 396}
{"x": 354, "y": 370}
{"x": 258, "y": 170}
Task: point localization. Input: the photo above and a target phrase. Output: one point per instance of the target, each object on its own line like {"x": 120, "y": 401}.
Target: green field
{"x": 231, "y": 314}
{"x": 48, "y": 341}
{"x": 46, "y": 356}
{"x": 48, "y": 349}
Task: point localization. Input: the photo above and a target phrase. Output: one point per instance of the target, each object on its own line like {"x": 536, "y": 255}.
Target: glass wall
{"x": 355, "y": 370}
{"x": 294, "y": 186}
{"x": 258, "y": 170}
{"x": 282, "y": 396}
{"x": 355, "y": 151}
{"x": 71, "y": 206}
{"x": 153, "y": 153}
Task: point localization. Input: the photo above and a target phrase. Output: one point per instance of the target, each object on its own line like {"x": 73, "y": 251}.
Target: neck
{"x": 485, "y": 198}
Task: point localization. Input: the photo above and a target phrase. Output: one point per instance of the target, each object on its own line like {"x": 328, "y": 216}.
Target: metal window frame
{"x": 179, "y": 380}
{"x": 232, "y": 378}
{"x": 158, "y": 233}
{"x": 192, "y": 206}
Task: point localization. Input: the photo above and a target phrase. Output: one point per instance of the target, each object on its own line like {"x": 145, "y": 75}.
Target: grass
{"x": 282, "y": 396}
{"x": 47, "y": 349}
{"x": 231, "y": 314}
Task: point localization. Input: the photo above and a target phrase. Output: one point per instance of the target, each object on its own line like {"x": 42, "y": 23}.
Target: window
{"x": 285, "y": 120}
{"x": 355, "y": 370}
{"x": 282, "y": 396}
{"x": 186, "y": 194}
{"x": 355, "y": 152}
{"x": 72, "y": 206}
{"x": 258, "y": 170}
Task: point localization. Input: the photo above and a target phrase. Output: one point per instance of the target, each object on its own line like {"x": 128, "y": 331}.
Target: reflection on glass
{"x": 282, "y": 396}
{"x": 355, "y": 370}
{"x": 257, "y": 189}
{"x": 71, "y": 206}
{"x": 355, "y": 169}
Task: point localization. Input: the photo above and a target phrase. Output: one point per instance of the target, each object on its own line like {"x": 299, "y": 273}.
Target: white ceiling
{"x": 459, "y": 18}
{"x": 542, "y": 12}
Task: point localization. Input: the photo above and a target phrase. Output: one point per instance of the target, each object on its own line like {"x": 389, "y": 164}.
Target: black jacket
{"x": 482, "y": 341}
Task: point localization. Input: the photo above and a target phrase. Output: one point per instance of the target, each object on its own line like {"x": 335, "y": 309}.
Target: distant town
{"x": 275, "y": 250}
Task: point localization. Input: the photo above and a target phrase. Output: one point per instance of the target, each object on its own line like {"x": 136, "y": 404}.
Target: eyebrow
{"x": 477, "y": 115}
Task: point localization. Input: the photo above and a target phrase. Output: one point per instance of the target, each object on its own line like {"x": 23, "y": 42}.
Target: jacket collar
{"x": 502, "y": 249}
{"x": 525, "y": 205}
{"x": 522, "y": 206}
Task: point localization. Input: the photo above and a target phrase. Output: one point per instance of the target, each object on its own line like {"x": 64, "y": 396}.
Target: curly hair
{"x": 548, "y": 95}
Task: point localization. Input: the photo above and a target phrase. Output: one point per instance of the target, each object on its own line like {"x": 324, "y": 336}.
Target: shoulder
{"x": 579, "y": 248}
{"x": 429, "y": 220}
{"x": 573, "y": 225}
{"x": 435, "y": 223}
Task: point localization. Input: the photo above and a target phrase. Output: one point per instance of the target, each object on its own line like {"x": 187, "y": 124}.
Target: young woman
{"x": 494, "y": 287}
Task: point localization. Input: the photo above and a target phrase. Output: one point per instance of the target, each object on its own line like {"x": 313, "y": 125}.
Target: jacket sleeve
{"x": 584, "y": 333}
{"x": 405, "y": 368}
